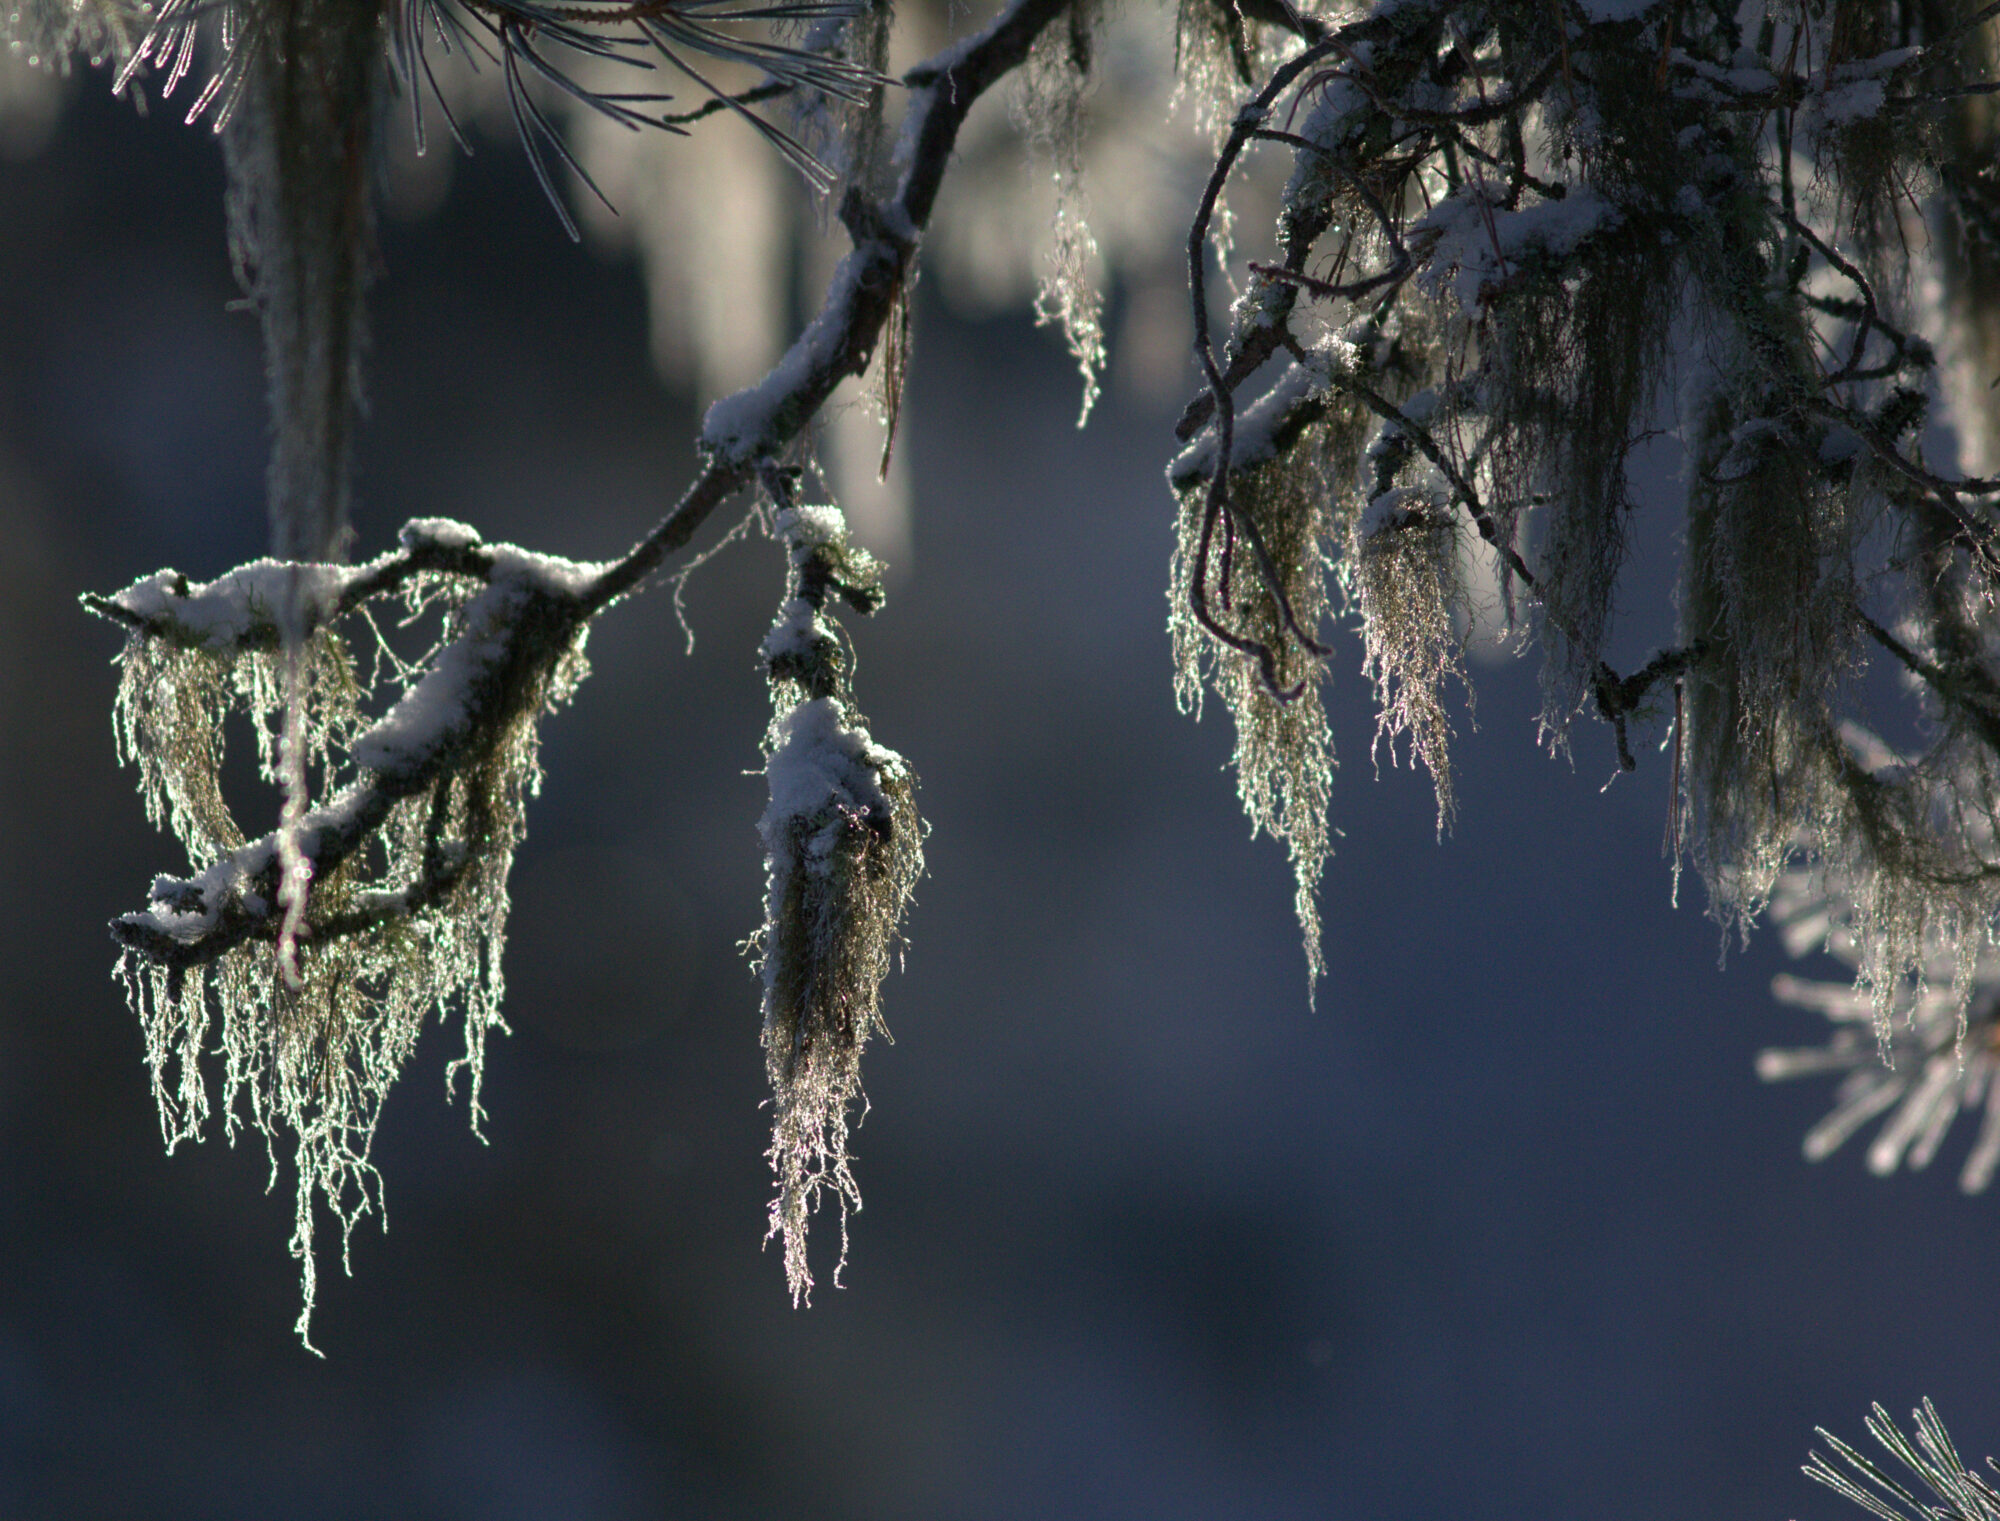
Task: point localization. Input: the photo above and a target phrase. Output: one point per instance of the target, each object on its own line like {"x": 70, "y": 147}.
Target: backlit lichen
{"x": 843, "y": 849}
{"x": 410, "y": 923}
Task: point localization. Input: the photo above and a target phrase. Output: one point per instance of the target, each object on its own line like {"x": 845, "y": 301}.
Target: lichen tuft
{"x": 843, "y": 849}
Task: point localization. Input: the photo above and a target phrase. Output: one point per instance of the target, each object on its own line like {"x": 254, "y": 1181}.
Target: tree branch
{"x": 762, "y": 421}
{"x": 533, "y": 608}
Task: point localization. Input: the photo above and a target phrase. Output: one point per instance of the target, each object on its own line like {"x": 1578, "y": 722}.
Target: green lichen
{"x": 843, "y": 849}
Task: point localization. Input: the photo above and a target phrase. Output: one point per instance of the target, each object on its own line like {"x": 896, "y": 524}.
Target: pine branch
{"x": 497, "y": 664}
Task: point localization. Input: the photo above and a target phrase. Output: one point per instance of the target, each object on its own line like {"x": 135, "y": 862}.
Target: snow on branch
{"x": 402, "y": 868}
{"x": 760, "y": 422}
{"x": 324, "y": 943}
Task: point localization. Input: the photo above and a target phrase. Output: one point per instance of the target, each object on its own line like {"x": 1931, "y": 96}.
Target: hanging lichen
{"x": 1049, "y": 110}
{"x": 1569, "y": 365}
{"x": 1403, "y": 566}
{"x": 1261, "y": 571}
{"x": 1769, "y": 593}
{"x": 311, "y": 1043}
{"x": 843, "y": 848}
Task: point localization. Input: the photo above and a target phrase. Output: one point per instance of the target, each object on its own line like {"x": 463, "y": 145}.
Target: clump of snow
{"x": 438, "y": 710}
{"x": 1398, "y": 507}
{"x": 1848, "y": 103}
{"x": 798, "y": 635}
{"x": 1254, "y": 438}
{"x": 750, "y": 423}
{"x": 825, "y": 775}
{"x": 1746, "y": 75}
{"x": 1480, "y": 244}
{"x": 246, "y": 608}
{"x": 441, "y": 533}
{"x": 438, "y": 713}
{"x": 810, "y": 526}
{"x": 550, "y": 574}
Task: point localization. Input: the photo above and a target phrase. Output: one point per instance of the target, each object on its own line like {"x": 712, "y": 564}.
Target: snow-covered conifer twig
{"x": 740, "y": 435}
{"x": 406, "y": 850}
{"x": 1495, "y": 224}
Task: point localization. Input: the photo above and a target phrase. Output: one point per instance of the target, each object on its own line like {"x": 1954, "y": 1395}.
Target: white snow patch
{"x": 247, "y": 605}
{"x": 796, "y": 635}
{"x": 744, "y": 425}
{"x": 437, "y": 710}
{"x": 1480, "y": 244}
{"x": 1395, "y": 508}
{"x": 548, "y": 573}
{"x": 811, "y": 526}
{"x": 1253, "y": 440}
{"x": 444, "y": 533}
{"x": 822, "y": 772}
{"x": 1852, "y": 102}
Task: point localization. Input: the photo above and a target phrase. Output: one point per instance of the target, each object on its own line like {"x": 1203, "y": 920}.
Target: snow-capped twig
{"x": 761, "y": 421}
{"x": 533, "y": 608}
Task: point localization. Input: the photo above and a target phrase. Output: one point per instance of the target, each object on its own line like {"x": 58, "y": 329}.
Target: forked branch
{"x": 532, "y": 609}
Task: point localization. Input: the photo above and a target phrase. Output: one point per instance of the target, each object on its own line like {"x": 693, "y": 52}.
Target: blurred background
{"x": 1503, "y": 1226}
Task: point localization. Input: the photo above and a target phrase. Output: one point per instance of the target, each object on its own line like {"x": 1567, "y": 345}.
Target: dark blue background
{"x": 1505, "y": 1227}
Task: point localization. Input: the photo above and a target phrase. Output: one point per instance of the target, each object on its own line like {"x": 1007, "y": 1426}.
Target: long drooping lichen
{"x": 310, "y": 1042}
{"x": 1558, "y": 213}
{"x": 1291, "y": 488}
{"x": 843, "y": 849}
{"x": 1049, "y": 109}
{"x": 1403, "y": 565}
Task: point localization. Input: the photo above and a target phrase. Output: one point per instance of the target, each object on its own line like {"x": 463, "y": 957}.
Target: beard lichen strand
{"x": 315, "y": 1060}
{"x": 843, "y": 849}
{"x": 1407, "y": 589}
{"x": 298, "y": 96}
{"x": 1569, "y": 368}
{"x": 1769, "y": 589}
{"x": 1902, "y": 888}
{"x": 1048, "y": 108}
{"x": 167, "y": 720}
{"x": 169, "y": 716}
{"x": 1912, "y": 895}
{"x": 838, "y": 882}
{"x": 1284, "y": 749}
